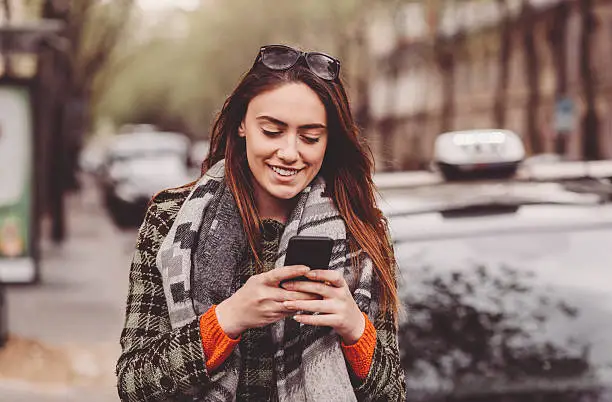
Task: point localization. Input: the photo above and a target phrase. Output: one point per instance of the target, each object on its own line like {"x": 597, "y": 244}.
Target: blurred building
{"x": 21, "y": 64}
{"x": 440, "y": 69}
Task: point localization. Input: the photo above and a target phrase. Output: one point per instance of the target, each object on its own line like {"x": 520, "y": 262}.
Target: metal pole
{"x": 3, "y": 316}
{"x": 55, "y": 117}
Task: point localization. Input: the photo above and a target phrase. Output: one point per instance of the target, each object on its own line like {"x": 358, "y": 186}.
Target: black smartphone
{"x": 312, "y": 251}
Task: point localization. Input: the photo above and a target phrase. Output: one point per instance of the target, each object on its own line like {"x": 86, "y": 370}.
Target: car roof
{"x": 478, "y": 131}
{"x": 528, "y": 218}
{"x": 148, "y": 141}
{"x": 414, "y": 201}
{"x": 552, "y": 171}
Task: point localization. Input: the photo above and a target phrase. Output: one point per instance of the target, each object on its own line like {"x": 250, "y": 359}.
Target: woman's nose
{"x": 289, "y": 152}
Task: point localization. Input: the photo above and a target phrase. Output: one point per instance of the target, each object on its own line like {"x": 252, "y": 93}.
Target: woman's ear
{"x": 241, "y": 130}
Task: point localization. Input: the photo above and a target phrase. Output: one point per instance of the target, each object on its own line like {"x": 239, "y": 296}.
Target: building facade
{"x": 539, "y": 68}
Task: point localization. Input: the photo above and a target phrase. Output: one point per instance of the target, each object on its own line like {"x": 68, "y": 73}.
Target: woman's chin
{"x": 285, "y": 193}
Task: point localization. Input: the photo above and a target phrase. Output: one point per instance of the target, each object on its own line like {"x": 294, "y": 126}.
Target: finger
{"x": 280, "y": 309}
{"x": 317, "y": 288}
{"x": 314, "y": 306}
{"x": 281, "y": 295}
{"x": 277, "y": 275}
{"x": 321, "y": 320}
{"x": 291, "y": 295}
{"x": 334, "y": 278}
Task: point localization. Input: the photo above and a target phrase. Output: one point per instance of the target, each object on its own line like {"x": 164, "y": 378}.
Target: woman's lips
{"x": 284, "y": 174}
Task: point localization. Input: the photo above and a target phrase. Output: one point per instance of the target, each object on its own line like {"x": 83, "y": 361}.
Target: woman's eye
{"x": 271, "y": 133}
{"x": 311, "y": 140}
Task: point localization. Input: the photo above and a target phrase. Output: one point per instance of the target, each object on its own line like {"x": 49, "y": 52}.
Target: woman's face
{"x": 286, "y": 137}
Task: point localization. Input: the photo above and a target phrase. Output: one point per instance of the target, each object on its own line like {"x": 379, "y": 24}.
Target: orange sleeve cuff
{"x": 216, "y": 344}
{"x": 359, "y": 355}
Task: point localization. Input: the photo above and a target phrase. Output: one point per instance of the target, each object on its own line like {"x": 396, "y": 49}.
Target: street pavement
{"x": 64, "y": 331}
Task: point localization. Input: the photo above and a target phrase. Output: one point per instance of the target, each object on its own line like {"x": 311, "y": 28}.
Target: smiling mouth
{"x": 285, "y": 172}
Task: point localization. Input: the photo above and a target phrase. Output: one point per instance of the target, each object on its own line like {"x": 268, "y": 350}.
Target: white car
{"x": 478, "y": 153}
{"x": 138, "y": 166}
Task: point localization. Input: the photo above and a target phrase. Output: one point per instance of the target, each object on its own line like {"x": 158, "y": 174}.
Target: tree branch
{"x": 6, "y": 6}
{"x": 103, "y": 48}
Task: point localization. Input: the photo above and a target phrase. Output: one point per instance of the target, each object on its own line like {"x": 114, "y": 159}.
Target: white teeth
{"x": 284, "y": 172}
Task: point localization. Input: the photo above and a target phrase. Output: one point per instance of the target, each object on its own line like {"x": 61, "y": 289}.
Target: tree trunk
{"x": 590, "y": 122}
{"x": 58, "y": 66}
{"x": 557, "y": 38}
{"x": 362, "y": 111}
{"x": 8, "y": 66}
{"x": 446, "y": 65}
{"x": 499, "y": 109}
{"x": 532, "y": 72}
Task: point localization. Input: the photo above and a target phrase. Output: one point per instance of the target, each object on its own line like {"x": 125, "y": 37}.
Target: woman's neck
{"x": 270, "y": 207}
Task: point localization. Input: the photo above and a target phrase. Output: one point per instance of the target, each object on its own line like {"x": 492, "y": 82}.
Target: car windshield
{"x": 518, "y": 314}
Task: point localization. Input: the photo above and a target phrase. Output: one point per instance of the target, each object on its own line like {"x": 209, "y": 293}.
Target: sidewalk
{"x": 65, "y": 331}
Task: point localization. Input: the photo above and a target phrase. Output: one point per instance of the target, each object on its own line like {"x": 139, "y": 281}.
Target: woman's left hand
{"x": 337, "y": 308}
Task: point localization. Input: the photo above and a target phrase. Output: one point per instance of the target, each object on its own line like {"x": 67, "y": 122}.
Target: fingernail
{"x": 296, "y": 318}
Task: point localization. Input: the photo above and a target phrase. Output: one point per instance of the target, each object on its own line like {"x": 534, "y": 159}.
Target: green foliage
{"x": 180, "y": 83}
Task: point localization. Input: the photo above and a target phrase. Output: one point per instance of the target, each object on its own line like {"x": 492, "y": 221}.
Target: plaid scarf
{"x": 308, "y": 361}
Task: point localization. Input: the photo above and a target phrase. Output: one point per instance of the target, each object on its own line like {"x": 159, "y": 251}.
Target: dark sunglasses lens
{"x": 322, "y": 65}
{"x": 279, "y": 58}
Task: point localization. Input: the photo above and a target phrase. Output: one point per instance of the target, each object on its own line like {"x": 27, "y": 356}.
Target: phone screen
{"x": 314, "y": 252}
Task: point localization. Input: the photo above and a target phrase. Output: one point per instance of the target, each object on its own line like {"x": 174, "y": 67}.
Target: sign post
{"x": 21, "y": 162}
{"x": 18, "y": 262}
{"x": 565, "y": 123}
{"x": 26, "y": 102}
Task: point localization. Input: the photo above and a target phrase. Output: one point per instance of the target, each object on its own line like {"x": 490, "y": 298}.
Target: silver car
{"x": 506, "y": 286}
{"x": 138, "y": 166}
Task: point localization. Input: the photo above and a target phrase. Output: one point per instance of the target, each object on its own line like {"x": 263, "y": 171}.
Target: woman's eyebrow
{"x": 283, "y": 124}
{"x": 273, "y": 121}
{"x": 311, "y": 126}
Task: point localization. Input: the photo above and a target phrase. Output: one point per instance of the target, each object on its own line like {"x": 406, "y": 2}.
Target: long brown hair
{"x": 347, "y": 168}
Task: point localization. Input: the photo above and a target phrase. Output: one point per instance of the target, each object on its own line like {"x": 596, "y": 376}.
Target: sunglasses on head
{"x": 280, "y": 57}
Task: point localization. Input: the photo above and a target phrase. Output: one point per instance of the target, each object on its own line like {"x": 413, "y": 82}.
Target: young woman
{"x": 207, "y": 317}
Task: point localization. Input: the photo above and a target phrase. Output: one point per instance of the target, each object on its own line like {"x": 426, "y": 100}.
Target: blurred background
{"x": 489, "y": 121}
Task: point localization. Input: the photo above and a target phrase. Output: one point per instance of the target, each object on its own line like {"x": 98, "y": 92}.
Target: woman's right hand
{"x": 260, "y": 301}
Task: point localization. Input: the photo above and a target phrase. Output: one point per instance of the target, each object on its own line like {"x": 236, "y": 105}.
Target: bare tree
{"x": 532, "y": 73}
{"x": 92, "y": 30}
{"x": 6, "y": 7}
{"x": 557, "y": 39}
{"x": 88, "y": 54}
{"x": 505, "y": 30}
{"x": 590, "y": 122}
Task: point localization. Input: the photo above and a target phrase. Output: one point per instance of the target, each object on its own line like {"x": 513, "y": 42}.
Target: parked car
{"x": 478, "y": 153}
{"x": 199, "y": 152}
{"x": 506, "y": 285}
{"x": 139, "y": 165}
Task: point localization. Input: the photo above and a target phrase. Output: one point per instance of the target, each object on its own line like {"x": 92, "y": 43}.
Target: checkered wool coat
{"x": 158, "y": 363}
